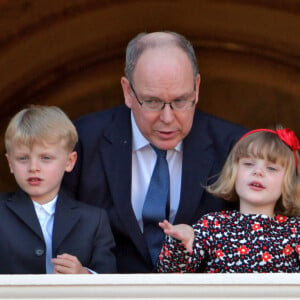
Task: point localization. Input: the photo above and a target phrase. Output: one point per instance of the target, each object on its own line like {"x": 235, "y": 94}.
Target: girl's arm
{"x": 179, "y": 254}
{"x": 181, "y": 232}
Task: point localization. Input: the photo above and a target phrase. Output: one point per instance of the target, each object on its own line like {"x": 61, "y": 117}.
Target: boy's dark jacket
{"x": 79, "y": 229}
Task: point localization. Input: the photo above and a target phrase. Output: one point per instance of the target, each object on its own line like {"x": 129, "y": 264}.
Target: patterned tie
{"x": 155, "y": 206}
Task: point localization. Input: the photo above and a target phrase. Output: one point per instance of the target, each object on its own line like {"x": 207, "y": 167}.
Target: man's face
{"x": 165, "y": 74}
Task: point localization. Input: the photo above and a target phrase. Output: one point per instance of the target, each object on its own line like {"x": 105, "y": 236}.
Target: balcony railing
{"x": 151, "y": 286}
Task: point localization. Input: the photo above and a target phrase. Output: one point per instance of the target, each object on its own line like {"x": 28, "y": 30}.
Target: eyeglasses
{"x": 158, "y": 105}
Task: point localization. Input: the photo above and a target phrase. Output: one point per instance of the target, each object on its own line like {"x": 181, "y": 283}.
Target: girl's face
{"x": 258, "y": 185}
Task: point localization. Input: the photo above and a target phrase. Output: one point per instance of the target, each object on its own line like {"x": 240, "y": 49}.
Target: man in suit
{"x": 42, "y": 230}
{"x": 115, "y": 153}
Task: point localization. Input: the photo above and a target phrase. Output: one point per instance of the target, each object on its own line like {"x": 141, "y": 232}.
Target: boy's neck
{"x": 44, "y": 201}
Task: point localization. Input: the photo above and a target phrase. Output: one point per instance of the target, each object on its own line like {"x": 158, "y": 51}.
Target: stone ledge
{"x": 151, "y": 286}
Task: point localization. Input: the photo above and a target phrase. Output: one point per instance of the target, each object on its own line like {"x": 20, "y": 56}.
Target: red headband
{"x": 286, "y": 135}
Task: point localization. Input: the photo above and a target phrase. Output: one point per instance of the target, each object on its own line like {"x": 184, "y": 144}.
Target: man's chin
{"x": 165, "y": 144}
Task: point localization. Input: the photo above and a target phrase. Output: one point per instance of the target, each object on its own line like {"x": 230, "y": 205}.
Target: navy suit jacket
{"x": 102, "y": 175}
{"x": 78, "y": 229}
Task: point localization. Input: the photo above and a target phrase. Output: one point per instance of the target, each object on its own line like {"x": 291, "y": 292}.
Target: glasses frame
{"x": 163, "y": 103}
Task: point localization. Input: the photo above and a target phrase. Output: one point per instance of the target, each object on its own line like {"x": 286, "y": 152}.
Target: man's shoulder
{"x": 214, "y": 121}
{"x": 101, "y": 117}
{"x": 216, "y": 126}
{"x": 93, "y": 126}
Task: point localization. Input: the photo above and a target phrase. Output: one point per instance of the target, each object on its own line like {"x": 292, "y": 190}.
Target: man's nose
{"x": 167, "y": 113}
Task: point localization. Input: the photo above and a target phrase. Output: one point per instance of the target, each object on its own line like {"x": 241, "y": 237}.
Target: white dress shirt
{"x": 143, "y": 162}
{"x": 45, "y": 214}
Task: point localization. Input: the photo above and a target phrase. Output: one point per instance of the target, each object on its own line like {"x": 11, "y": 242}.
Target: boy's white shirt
{"x": 45, "y": 214}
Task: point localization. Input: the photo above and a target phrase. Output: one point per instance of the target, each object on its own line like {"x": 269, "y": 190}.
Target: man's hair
{"x": 41, "y": 124}
{"x": 268, "y": 146}
{"x": 144, "y": 41}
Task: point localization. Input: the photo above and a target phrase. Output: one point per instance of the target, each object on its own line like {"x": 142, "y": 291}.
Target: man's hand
{"x": 182, "y": 232}
{"x": 68, "y": 264}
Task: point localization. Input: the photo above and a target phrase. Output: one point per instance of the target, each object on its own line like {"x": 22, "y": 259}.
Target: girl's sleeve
{"x": 174, "y": 258}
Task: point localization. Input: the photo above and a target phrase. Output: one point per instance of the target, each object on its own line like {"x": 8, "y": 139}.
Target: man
{"x": 116, "y": 151}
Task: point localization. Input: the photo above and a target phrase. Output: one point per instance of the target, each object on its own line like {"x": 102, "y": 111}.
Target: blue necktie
{"x": 155, "y": 206}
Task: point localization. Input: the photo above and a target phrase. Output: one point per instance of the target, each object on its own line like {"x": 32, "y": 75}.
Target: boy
{"x": 43, "y": 230}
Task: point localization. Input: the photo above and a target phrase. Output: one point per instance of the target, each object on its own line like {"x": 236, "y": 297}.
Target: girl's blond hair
{"x": 268, "y": 146}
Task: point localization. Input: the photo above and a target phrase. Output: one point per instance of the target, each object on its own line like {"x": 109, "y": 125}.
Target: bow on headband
{"x": 286, "y": 135}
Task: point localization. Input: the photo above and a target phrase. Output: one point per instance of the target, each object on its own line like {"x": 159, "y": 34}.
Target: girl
{"x": 262, "y": 172}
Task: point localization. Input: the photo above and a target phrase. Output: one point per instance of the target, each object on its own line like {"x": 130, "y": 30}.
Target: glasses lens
{"x": 182, "y": 104}
{"x": 154, "y": 105}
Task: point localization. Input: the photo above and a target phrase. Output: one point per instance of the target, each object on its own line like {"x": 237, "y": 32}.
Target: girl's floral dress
{"x": 234, "y": 242}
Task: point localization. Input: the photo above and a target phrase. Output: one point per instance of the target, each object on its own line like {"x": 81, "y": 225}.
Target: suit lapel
{"x": 66, "y": 216}
{"x": 197, "y": 162}
{"x": 117, "y": 158}
{"x": 21, "y": 204}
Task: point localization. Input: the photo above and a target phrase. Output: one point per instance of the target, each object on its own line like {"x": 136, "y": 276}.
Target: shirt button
{"x": 39, "y": 252}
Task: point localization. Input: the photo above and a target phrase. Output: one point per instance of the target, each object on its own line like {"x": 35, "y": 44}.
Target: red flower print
{"x": 243, "y": 250}
{"x": 205, "y": 223}
{"x": 287, "y": 250}
{"x": 256, "y": 226}
{"x": 298, "y": 249}
{"x": 281, "y": 218}
{"x": 224, "y": 214}
{"x": 217, "y": 223}
{"x": 294, "y": 230}
{"x": 165, "y": 251}
{"x": 219, "y": 253}
{"x": 266, "y": 256}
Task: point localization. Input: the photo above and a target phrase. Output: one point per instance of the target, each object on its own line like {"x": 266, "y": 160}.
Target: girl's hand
{"x": 68, "y": 264}
{"x": 182, "y": 232}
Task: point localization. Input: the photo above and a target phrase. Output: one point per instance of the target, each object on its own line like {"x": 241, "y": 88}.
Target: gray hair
{"x": 144, "y": 41}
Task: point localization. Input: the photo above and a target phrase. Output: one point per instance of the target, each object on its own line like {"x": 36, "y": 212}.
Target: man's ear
{"x": 71, "y": 161}
{"x": 127, "y": 92}
{"x": 197, "y": 85}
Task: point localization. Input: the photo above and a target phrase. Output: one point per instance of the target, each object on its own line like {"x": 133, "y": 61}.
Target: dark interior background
{"x": 71, "y": 54}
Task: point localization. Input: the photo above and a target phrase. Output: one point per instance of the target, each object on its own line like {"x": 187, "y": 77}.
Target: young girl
{"x": 262, "y": 172}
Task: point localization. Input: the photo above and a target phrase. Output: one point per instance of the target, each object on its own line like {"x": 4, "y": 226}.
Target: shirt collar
{"x": 139, "y": 141}
{"x": 49, "y": 207}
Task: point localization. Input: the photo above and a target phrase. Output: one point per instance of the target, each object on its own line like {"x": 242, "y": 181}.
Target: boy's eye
{"x": 46, "y": 157}
{"x": 22, "y": 158}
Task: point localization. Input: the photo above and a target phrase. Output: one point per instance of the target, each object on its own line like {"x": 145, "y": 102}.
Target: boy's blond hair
{"x": 41, "y": 124}
{"x": 263, "y": 145}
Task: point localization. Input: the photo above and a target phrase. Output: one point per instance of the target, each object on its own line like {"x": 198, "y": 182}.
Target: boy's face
{"x": 39, "y": 170}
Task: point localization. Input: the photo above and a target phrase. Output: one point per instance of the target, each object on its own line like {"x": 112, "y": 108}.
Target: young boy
{"x": 42, "y": 230}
